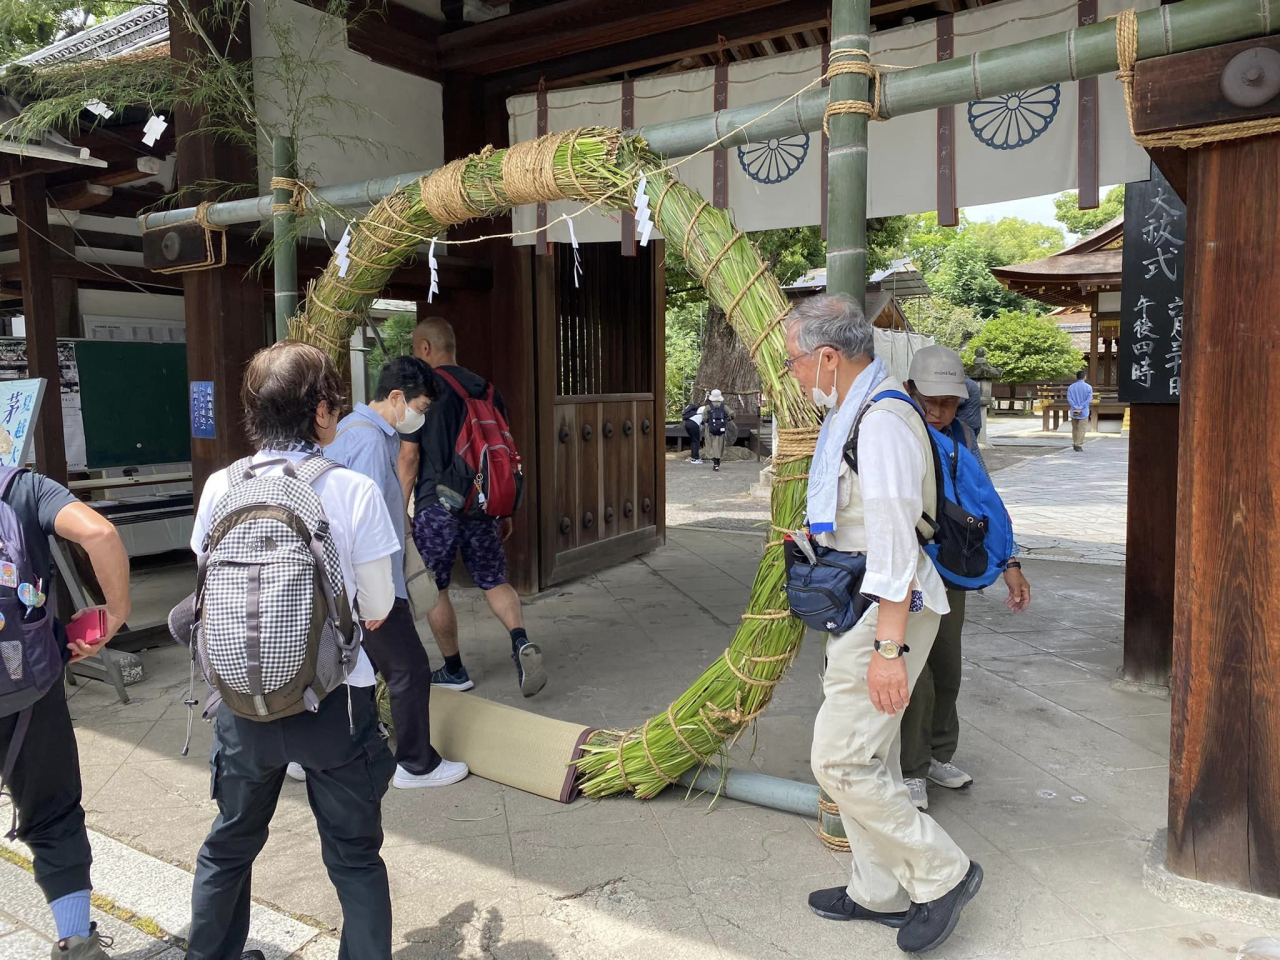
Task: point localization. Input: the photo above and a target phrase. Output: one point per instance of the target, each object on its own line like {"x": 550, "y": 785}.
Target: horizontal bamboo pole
{"x": 1080, "y": 52}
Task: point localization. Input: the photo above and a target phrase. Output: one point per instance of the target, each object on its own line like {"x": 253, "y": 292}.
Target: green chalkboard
{"x": 133, "y": 397}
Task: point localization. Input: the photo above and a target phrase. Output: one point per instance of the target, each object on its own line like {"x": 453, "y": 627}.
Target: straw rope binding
{"x": 1127, "y": 58}
{"x": 842, "y": 63}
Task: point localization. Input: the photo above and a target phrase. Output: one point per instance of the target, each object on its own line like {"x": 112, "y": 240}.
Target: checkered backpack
{"x": 273, "y": 631}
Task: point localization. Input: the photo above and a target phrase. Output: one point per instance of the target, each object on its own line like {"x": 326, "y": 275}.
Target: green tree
{"x": 397, "y": 334}
{"x": 950, "y": 325}
{"x": 1087, "y": 221}
{"x": 28, "y": 25}
{"x": 1026, "y": 348}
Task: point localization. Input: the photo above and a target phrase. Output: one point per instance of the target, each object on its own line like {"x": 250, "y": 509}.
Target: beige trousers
{"x": 1079, "y": 430}
{"x": 900, "y": 855}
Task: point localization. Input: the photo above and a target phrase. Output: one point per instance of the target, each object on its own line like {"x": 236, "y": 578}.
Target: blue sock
{"x": 71, "y": 915}
{"x": 518, "y": 639}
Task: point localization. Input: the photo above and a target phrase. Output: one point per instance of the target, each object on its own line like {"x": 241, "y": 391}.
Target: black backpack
{"x": 689, "y": 412}
{"x": 718, "y": 420}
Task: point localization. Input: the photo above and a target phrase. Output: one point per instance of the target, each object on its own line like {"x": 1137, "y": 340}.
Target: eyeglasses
{"x": 789, "y": 364}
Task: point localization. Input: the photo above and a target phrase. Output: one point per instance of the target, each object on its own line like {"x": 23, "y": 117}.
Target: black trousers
{"x": 347, "y": 777}
{"x": 694, "y": 432}
{"x": 46, "y": 793}
{"x": 397, "y": 653}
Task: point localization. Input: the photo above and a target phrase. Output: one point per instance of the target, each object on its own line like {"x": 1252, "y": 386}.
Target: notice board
{"x": 1151, "y": 306}
{"x": 133, "y": 398}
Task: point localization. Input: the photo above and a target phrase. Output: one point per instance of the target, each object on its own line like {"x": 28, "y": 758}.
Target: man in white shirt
{"x": 907, "y": 872}
{"x": 291, "y": 397}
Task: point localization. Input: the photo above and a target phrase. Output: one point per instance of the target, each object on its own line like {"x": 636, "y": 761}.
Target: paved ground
{"x": 1071, "y": 779}
{"x": 1064, "y": 505}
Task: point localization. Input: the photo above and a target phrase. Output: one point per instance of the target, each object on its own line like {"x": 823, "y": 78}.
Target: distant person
{"x": 931, "y": 725}
{"x": 38, "y": 758}
{"x": 716, "y": 417}
{"x": 291, "y": 397}
{"x": 438, "y": 477}
{"x": 1079, "y": 398}
{"x": 693, "y": 430}
{"x": 368, "y": 442}
{"x": 970, "y": 410}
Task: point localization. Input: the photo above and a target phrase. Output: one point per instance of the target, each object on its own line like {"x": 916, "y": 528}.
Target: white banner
{"x": 1007, "y": 147}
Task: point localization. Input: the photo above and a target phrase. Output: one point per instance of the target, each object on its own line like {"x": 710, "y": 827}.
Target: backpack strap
{"x": 310, "y": 469}
{"x": 928, "y": 520}
{"x": 7, "y": 476}
{"x": 452, "y": 381}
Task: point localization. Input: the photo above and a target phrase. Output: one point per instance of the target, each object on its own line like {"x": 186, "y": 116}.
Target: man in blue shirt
{"x": 368, "y": 442}
{"x": 1079, "y": 397}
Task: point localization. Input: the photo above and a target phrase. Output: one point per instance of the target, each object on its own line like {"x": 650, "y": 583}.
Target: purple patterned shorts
{"x": 439, "y": 535}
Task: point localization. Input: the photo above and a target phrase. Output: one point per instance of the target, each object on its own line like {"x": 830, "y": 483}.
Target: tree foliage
{"x": 1087, "y": 221}
{"x": 949, "y": 324}
{"x": 1026, "y": 348}
{"x": 397, "y": 334}
{"x": 28, "y": 25}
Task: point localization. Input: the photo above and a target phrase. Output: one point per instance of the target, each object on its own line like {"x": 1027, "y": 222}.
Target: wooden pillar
{"x": 1093, "y": 347}
{"x": 1150, "y": 542}
{"x": 66, "y": 291}
{"x": 40, "y": 311}
{"x": 226, "y": 311}
{"x": 1224, "y": 797}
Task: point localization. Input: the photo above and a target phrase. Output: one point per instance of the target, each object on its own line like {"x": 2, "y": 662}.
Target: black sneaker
{"x": 834, "y": 904}
{"x": 253, "y": 955}
{"x": 529, "y": 671}
{"x": 929, "y": 924}
{"x": 458, "y": 680}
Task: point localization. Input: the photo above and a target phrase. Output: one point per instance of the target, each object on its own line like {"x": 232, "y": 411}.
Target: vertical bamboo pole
{"x": 284, "y": 243}
{"x": 847, "y": 201}
{"x": 847, "y": 156}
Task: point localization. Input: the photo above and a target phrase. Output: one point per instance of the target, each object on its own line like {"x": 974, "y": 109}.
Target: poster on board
{"x": 19, "y": 408}
{"x": 13, "y": 366}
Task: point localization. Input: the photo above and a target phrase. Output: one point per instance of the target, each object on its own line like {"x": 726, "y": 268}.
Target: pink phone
{"x": 89, "y": 628}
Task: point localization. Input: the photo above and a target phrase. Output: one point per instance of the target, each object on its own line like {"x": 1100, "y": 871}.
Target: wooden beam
{"x": 78, "y": 196}
{"x": 226, "y": 312}
{"x": 130, "y": 201}
{"x": 669, "y": 45}
{"x": 1224, "y": 818}
{"x": 392, "y": 35}
{"x": 118, "y": 275}
{"x": 35, "y": 265}
{"x": 1150, "y": 541}
{"x": 576, "y": 26}
{"x": 1185, "y": 90}
{"x": 14, "y": 167}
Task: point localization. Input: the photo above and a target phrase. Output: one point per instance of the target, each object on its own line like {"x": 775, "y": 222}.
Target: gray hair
{"x": 832, "y": 320}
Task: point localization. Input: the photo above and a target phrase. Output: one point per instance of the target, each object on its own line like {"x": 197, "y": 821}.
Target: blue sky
{"x": 1032, "y": 209}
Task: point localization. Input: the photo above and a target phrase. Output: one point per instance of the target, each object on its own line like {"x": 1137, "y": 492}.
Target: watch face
{"x": 888, "y": 649}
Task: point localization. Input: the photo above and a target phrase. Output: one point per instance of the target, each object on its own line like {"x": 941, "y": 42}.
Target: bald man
{"x": 428, "y": 462}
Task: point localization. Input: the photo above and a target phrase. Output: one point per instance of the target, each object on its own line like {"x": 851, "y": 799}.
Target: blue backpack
{"x": 973, "y": 535}
{"x": 30, "y": 661}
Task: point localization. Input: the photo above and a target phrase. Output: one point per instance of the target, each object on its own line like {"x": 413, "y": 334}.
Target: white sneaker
{"x": 919, "y": 794}
{"x": 948, "y": 775}
{"x": 296, "y": 772}
{"x": 449, "y": 771}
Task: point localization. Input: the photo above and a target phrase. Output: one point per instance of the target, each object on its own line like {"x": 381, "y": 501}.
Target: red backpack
{"x": 486, "y": 447}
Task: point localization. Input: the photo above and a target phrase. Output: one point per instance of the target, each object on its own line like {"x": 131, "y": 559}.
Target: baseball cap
{"x": 938, "y": 372}
{"x": 718, "y": 396}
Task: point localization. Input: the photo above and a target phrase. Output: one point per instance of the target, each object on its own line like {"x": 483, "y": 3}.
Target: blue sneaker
{"x": 452, "y": 681}
{"x": 529, "y": 671}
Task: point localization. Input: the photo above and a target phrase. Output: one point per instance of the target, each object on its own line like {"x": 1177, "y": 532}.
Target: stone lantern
{"x": 985, "y": 374}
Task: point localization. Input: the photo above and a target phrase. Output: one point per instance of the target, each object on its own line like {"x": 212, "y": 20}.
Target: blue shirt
{"x": 970, "y": 410}
{"x": 367, "y": 444}
{"x": 1080, "y": 395}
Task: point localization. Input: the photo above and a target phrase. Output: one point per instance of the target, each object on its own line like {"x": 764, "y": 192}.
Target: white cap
{"x": 719, "y": 397}
{"x": 938, "y": 371}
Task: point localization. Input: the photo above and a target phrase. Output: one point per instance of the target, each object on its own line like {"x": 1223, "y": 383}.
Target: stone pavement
{"x": 1071, "y": 778}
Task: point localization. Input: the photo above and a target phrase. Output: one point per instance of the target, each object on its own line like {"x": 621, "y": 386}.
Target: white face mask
{"x": 822, "y": 399}
{"x": 412, "y": 420}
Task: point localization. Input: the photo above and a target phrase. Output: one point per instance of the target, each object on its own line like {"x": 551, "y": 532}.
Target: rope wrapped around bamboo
{"x": 298, "y": 188}
{"x": 529, "y": 170}
{"x": 842, "y": 63}
{"x": 1127, "y": 58}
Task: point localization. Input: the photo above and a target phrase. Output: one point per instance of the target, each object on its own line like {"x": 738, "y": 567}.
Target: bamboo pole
{"x": 847, "y": 155}
{"x": 1070, "y": 55}
{"x": 284, "y": 250}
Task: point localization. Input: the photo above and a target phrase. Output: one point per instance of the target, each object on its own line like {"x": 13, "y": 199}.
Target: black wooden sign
{"x": 1154, "y": 267}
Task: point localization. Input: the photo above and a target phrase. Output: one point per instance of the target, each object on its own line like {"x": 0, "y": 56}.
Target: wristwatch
{"x": 890, "y": 650}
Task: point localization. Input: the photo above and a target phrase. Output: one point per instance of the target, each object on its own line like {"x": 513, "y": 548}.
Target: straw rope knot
{"x": 298, "y": 189}
{"x": 843, "y": 62}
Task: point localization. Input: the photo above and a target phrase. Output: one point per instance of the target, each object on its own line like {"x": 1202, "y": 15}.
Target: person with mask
{"x": 716, "y": 417}
{"x": 368, "y": 442}
{"x": 908, "y": 874}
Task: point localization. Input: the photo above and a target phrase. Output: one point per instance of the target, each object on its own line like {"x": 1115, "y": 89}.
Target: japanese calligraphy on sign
{"x": 202, "y": 423}
{"x": 19, "y": 407}
{"x": 1152, "y": 276}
